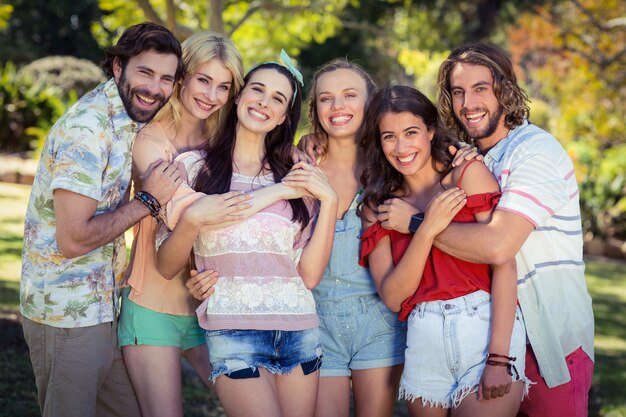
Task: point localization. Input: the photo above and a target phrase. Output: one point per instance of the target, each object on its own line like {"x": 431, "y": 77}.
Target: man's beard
{"x": 487, "y": 131}
{"x": 135, "y": 113}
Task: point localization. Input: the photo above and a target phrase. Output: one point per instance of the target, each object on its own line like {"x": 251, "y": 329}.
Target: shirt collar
{"x": 495, "y": 154}
{"x": 117, "y": 112}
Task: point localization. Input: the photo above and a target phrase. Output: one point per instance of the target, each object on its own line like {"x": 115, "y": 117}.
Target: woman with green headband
{"x": 260, "y": 323}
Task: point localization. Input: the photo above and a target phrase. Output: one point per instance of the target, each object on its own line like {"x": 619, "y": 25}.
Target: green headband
{"x": 288, "y": 64}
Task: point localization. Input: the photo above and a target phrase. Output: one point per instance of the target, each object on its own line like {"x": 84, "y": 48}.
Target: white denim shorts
{"x": 447, "y": 344}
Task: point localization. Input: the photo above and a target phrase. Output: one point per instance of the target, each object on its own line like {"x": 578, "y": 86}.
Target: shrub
{"x": 24, "y": 105}
{"x": 65, "y": 72}
{"x": 602, "y": 179}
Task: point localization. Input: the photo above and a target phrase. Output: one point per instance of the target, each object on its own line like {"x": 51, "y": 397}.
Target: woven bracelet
{"x": 149, "y": 201}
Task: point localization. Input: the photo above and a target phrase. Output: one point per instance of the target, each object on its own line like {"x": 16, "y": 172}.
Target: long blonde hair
{"x": 198, "y": 49}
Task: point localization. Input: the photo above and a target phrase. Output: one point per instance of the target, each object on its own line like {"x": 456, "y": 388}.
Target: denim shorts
{"x": 359, "y": 333}
{"x": 241, "y": 352}
{"x": 142, "y": 326}
{"x": 447, "y": 344}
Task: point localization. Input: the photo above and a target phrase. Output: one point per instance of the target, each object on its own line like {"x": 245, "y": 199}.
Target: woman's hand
{"x": 313, "y": 180}
{"x": 298, "y": 155}
{"x": 494, "y": 383}
{"x": 291, "y": 191}
{"x": 217, "y": 208}
{"x": 200, "y": 284}
{"x": 395, "y": 214}
{"x": 441, "y": 210}
{"x": 310, "y": 145}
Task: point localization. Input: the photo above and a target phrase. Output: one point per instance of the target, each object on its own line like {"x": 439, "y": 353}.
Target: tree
{"x": 572, "y": 55}
{"x": 260, "y": 27}
{"x": 37, "y": 28}
{"x": 5, "y": 14}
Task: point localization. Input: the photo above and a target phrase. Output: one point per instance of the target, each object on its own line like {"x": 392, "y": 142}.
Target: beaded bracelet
{"x": 510, "y": 367}
{"x": 149, "y": 201}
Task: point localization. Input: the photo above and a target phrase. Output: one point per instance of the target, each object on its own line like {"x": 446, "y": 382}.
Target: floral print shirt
{"x": 87, "y": 151}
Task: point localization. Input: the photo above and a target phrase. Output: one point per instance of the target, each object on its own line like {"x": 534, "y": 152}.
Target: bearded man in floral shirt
{"x": 79, "y": 208}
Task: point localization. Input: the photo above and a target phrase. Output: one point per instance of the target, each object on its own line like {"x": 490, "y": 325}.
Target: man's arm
{"x": 80, "y": 230}
{"x": 490, "y": 243}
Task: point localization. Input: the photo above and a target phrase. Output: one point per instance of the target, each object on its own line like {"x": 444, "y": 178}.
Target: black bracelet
{"x": 149, "y": 201}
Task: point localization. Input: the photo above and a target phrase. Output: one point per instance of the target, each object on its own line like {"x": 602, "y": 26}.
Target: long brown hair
{"x": 510, "y": 95}
{"x": 380, "y": 179}
{"x": 216, "y": 172}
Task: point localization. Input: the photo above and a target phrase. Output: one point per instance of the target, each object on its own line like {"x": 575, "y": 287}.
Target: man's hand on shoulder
{"x": 161, "y": 181}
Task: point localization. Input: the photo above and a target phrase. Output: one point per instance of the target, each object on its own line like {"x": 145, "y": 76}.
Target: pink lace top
{"x": 259, "y": 286}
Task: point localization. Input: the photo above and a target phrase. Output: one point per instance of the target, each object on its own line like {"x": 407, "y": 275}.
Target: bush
{"x": 65, "y": 72}
{"x": 602, "y": 179}
{"x": 25, "y": 105}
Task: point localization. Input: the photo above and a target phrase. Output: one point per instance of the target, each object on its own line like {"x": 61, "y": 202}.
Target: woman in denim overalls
{"x": 362, "y": 339}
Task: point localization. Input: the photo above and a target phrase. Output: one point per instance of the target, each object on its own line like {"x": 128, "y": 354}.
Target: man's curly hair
{"x": 510, "y": 95}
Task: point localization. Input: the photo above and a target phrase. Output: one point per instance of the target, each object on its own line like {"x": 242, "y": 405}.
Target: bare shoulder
{"x": 474, "y": 178}
{"x": 153, "y": 134}
{"x": 151, "y": 145}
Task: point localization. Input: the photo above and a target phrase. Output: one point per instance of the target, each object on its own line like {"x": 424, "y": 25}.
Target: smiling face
{"x": 146, "y": 83}
{"x": 475, "y": 104}
{"x": 264, "y": 100}
{"x": 405, "y": 141}
{"x": 207, "y": 90}
{"x": 340, "y": 99}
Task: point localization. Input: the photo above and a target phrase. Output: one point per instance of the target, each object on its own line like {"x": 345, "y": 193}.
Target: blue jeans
{"x": 278, "y": 351}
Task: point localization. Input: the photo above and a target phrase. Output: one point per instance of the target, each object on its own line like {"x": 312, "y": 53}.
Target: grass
{"x": 606, "y": 281}
{"x": 607, "y": 285}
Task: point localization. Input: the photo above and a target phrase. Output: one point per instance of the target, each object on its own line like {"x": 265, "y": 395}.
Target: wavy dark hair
{"x": 136, "y": 39}
{"x": 313, "y": 116}
{"x": 510, "y": 95}
{"x": 380, "y": 179}
{"x": 216, "y": 172}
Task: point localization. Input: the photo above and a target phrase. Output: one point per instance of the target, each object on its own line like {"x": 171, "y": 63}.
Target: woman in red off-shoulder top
{"x": 465, "y": 341}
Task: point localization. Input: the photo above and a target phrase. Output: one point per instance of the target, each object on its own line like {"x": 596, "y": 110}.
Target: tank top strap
{"x": 357, "y": 199}
{"x": 463, "y": 171}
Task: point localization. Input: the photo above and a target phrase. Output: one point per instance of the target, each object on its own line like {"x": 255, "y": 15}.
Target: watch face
{"x": 416, "y": 220}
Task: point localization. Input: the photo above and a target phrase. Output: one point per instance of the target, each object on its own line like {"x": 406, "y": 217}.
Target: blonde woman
{"x": 158, "y": 323}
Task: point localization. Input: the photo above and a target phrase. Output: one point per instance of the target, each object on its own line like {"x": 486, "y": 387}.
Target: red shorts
{"x": 569, "y": 399}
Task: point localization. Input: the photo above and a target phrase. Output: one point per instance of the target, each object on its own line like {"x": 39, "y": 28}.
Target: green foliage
{"x": 572, "y": 55}
{"x": 261, "y": 28}
{"x": 36, "y": 28}
{"x": 5, "y": 14}
{"x": 602, "y": 180}
{"x": 423, "y": 67}
{"x": 24, "y": 105}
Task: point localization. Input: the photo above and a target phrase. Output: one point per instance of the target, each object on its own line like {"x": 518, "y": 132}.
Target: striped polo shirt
{"x": 537, "y": 180}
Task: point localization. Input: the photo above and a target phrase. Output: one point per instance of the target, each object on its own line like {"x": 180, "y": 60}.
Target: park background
{"x": 570, "y": 55}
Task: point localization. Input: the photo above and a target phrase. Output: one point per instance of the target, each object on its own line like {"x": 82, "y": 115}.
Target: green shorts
{"x": 141, "y": 326}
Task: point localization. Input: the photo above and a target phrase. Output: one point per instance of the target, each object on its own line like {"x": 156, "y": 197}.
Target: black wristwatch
{"x": 416, "y": 220}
